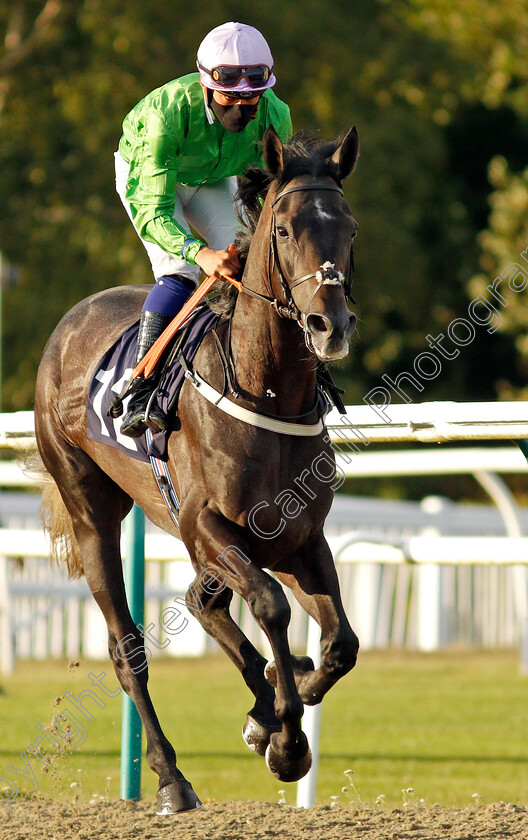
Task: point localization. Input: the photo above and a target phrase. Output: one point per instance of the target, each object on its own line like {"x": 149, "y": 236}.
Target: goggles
{"x": 257, "y": 75}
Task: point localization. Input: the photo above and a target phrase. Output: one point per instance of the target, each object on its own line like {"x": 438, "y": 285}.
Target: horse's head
{"x": 312, "y": 229}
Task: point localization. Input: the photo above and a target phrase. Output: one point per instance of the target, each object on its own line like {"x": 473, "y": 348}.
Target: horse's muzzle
{"x": 329, "y": 336}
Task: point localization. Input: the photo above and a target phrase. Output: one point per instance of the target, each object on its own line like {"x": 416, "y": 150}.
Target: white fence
{"x": 43, "y": 614}
{"x": 420, "y": 591}
{"x": 425, "y": 422}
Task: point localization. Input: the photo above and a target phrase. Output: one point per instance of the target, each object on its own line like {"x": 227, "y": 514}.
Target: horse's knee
{"x": 269, "y": 605}
{"x": 341, "y": 655}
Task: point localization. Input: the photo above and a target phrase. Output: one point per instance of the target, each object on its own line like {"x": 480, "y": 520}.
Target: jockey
{"x": 182, "y": 147}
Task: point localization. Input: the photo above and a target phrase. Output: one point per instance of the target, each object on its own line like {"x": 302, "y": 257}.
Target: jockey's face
{"x": 232, "y": 99}
{"x": 226, "y": 99}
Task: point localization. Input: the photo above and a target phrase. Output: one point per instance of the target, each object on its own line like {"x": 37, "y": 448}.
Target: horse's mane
{"x": 305, "y": 154}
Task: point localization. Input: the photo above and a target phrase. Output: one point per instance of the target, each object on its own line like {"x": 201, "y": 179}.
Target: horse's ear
{"x": 272, "y": 151}
{"x": 345, "y": 157}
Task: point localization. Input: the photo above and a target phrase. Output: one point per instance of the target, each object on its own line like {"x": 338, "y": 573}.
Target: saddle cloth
{"x": 114, "y": 370}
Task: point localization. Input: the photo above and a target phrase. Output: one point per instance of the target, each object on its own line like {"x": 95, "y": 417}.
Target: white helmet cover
{"x": 234, "y": 45}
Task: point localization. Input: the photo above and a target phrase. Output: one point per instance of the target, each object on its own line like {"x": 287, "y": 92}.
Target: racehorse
{"x": 234, "y": 479}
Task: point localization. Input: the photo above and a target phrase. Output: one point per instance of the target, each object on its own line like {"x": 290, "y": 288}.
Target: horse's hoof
{"x": 289, "y": 766}
{"x": 175, "y": 797}
{"x": 256, "y": 735}
{"x": 300, "y": 665}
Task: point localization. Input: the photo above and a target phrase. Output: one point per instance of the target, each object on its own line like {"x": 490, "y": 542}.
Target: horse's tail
{"x": 55, "y": 519}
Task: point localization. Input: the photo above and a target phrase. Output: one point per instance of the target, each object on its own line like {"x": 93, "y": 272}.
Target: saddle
{"x": 114, "y": 370}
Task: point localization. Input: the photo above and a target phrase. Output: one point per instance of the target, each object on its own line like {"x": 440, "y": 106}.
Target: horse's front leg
{"x": 312, "y": 577}
{"x": 218, "y": 546}
{"x": 212, "y": 611}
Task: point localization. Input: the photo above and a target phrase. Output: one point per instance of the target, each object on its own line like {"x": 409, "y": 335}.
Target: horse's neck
{"x": 273, "y": 365}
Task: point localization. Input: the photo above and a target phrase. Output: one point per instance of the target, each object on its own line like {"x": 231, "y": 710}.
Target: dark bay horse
{"x": 234, "y": 480}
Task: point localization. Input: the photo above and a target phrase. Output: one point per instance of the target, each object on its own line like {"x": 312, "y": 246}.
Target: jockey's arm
{"x": 152, "y": 185}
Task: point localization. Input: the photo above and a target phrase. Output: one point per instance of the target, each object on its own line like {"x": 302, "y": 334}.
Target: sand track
{"x": 38, "y": 818}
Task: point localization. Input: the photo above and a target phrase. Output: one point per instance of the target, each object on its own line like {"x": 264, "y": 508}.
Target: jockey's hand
{"x": 218, "y": 263}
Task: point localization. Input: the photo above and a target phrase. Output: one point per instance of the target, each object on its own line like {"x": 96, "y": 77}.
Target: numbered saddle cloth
{"x": 114, "y": 370}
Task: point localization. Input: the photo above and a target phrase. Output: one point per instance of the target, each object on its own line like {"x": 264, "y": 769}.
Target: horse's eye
{"x": 283, "y": 233}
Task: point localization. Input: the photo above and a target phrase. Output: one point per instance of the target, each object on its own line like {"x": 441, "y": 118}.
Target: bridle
{"x": 325, "y": 275}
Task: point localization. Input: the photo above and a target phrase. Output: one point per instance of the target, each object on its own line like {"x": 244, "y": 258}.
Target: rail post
{"x": 131, "y": 729}
{"x": 523, "y": 446}
{"x": 311, "y": 724}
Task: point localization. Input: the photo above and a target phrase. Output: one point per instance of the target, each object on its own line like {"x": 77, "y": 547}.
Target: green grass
{"x": 448, "y": 725}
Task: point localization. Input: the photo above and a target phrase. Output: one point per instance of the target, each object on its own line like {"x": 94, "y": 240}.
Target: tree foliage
{"x": 504, "y": 246}
{"x": 437, "y": 89}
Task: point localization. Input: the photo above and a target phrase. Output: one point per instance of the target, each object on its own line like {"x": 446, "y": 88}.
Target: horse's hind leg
{"x": 214, "y": 616}
{"x": 97, "y": 505}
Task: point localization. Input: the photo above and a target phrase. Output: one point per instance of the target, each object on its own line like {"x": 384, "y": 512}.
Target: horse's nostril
{"x": 317, "y": 323}
{"x": 352, "y": 321}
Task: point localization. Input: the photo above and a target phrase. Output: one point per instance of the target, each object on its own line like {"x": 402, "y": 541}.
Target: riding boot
{"x": 135, "y": 422}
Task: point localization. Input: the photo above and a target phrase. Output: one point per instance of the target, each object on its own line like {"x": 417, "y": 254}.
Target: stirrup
{"x": 141, "y": 414}
{"x": 116, "y": 405}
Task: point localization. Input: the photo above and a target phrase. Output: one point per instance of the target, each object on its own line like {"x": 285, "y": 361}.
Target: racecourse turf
{"x": 448, "y": 728}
